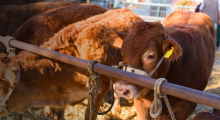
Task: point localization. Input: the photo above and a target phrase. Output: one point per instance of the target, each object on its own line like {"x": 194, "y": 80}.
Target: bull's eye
{"x": 151, "y": 56}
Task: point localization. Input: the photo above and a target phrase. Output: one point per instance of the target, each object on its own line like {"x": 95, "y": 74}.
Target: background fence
{"x": 184, "y": 8}
{"x": 157, "y": 12}
{"x": 151, "y": 9}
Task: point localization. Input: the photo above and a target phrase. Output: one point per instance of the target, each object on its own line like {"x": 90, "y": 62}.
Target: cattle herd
{"x": 91, "y": 32}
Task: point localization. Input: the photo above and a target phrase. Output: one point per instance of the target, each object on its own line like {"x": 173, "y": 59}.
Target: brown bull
{"x": 13, "y": 16}
{"x": 46, "y": 82}
{"x": 40, "y": 28}
{"x": 191, "y": 36}
{"x": 43, "y": 26}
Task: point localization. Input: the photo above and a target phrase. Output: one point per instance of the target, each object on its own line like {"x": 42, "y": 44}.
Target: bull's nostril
{"x": 126, "y": 93}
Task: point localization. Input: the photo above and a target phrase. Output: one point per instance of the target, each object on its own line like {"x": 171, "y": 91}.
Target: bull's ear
{"x": 115, "y": 38}
{"x": 12, "y": 72}
{"x": 171, "y": 49}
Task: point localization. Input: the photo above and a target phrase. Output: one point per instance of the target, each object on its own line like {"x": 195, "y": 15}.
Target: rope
{"x": 158, "y": 64}
{"x": 10, "y": 49}
{"x": 95, "y": 77}
{"x": 3, "y": 104}
{"x": 155, "y": 111}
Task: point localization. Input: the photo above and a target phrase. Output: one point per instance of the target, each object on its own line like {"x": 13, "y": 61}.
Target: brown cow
{"x": 43, "y": 26}
{"x": 13, "y": 16}
{"x": 190, "y": 64}
{"x": 48, "y": 82}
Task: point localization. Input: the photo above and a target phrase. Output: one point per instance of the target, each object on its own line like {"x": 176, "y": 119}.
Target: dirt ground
{"x": 121, "y": 112}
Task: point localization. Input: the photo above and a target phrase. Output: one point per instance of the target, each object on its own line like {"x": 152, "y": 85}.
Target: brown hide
{"x": 216, "y": 112}
{"x": 43, "y": 26}
{"x": 49, "y": 82}
{"x": 13, "y": 16}
{"x": 17, "y": 2}
{"x": 202, "y": 24}
{"x": 192, "y": 36}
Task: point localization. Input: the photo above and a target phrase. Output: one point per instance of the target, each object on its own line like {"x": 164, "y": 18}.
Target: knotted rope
{"x": 156, "y": 110}
{"x": 95, "y": 77}
{"x": 10, "y": 49}
{"x": 3, "y": 104}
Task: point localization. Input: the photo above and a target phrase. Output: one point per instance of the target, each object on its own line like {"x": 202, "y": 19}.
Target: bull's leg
{"x": 142, "y": 107}
{"x": 116, "y": 102}
{"x": 165, "y": 117}
{"x": 48, "y": 111}
{"x": 60, "y": 113}
{"x": 116, "y": 105}
{"x": 100, "y": 96}
{"x": 117, "y": 99}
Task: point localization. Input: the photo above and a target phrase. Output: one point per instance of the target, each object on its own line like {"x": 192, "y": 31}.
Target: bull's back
{"x": 13, "y": 16}
{"x": 176, "y": 17}
{"x": 44, "y": 26}
{"x": 198, "y": 20}
{"x": 88, "y": 36}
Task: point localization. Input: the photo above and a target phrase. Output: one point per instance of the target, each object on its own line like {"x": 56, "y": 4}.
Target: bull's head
{"x": 9, "y": 77}
{"x": 142, "y": 48}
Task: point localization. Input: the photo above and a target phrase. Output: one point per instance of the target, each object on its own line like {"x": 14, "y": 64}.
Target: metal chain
{"x": 156, "y": 110}
{"x": 93, "y": 90}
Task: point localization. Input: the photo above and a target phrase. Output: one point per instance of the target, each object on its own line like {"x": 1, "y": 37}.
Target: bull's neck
{"x": 40, "y": 68}
{"x": 36, "y": 68}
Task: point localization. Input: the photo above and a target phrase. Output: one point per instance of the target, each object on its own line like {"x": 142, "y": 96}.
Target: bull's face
{"x": 9, "y": 76}
{"x": 142, "y": 48}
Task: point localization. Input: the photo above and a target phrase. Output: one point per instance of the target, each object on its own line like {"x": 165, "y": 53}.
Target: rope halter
{"x": 141, "y": 72}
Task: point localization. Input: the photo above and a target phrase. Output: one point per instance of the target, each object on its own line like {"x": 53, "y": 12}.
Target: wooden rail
{"x": 168, "y": 88}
